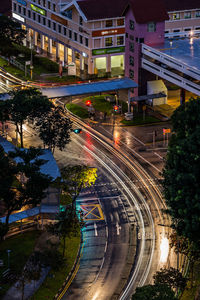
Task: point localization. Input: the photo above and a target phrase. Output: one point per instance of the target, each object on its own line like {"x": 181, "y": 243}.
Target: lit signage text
{"x": 38, "y": 10}
{"x": 18, "y": 17}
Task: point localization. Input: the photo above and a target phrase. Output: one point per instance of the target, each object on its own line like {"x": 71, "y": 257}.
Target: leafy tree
{"x": 154, "y": 292}
{"x": 171, "y": 277}
{"x": 75, "y": 178}
{"x": 26, "y": 105}
{"x": 10, "y": 32}
{"x": 67, "y": 225}
{"x": 4, "y": 113}
{"x": 182, "y": 171}
{"x": 54, "y": 129}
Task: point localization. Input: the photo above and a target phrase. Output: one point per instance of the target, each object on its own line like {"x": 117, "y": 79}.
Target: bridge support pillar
{"x": 129, "y": 100}
{"x": 182, "y": 96}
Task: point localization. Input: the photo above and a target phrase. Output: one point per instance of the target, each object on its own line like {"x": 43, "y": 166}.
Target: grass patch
{"x": 54, "y": 281}
{"x": 100, "y": 104}
{"x": 21, "y": 247}
{"x": 79, "y": 111}
{"x": 138, "y": 120}
{"x": 63, "y": 79}
{"x": 188, "y": 292}
{"x": 12, "y": 69}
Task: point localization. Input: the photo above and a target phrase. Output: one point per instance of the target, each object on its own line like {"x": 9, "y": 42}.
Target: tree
{"x": 171, "y": 277}
{"x": 10, "y": 33}
{"x": 21, "y": 183}
{"x": 67, "y": 225}
{"x": 154, "y": 292}
{"x": 182, "y": 171}
{"x": 26, "y": 105}
{"x": 54, "y": 129}
{"x": 3, "y": 230}
{"x": 4, "y": 113}
{"x": 75, "y": 178}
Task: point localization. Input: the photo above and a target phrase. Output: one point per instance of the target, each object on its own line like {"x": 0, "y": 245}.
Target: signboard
{"x": 108, "y": 50}
{"x": 59, "y": 19}
{"x": 72, "y": 69}
{"x": 22, "y": 2}
{"x": 106, "y": 32}
{"x": 38, "y": 9}
{"x": 166, "y": 130}
{"x": 28, "y": 62}
{"x": 19, "y": 18}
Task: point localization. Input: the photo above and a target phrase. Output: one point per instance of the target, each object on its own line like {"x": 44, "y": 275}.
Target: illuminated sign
{"x": 106, "y": 32}
{"x": 38, "y": 10}
{"x": 22, "y": 2}
{"x": 18, "y": 17}
{"x": 59, "y": 19}
{"x": 108, "y": 50}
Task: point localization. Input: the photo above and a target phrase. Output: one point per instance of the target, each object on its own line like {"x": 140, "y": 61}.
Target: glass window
{"x": 197, "y": 14}
{"x": 59, "y": 28}
{"x": 120, "y": 22}
{"x": 70, "y": 34}
{"x": 44, "y": 3}
{"x": 54, "y": 7}
{"x": 120, "y": 40}
{"x": 49, "y": 5}
{"x": 29, "y": 13}
{"x": 14, "y": 7}
{"x": 131, "y": 46}
{"x": 19, "y": 9}
{"x": 54, "y": 26}
{"x": 44, "y": 21}
{"x": 80, "y": 20}
{"x": 49, "y": 23}
{"x": 131, "y": 73}
{"x": 176, "y": 16}
{"x": 131, "y": 60}
{"x": 75, "y": 36}
{"x": 39, "y": 20}
{"x": 33, "y": 16}
{"x": 187, "y": 15}
{"x": 39, "y": 2}
{"x": 131, "y": 25}
{"x": 64, "y": 31}
{"x": 68, "y": 13}
{"x": 109, "y": 23}
{"x": 108, "y": 41}
{"x": 81, "y": 39}
{"x": 86, "y": 42}
{"x": 24, "y": 11}
{"x": 151, "y": 27}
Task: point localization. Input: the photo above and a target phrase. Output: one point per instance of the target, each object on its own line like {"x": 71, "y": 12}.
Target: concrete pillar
{"x": 35, "y": 35}
{"x": 108, "y": 63}
{"x": 73, "y": 55}
{"x": 42, "y": 42}
{"x": 65, "y": 55}
{"x": 57, "y": 51}
{"x": 81, "y": 62}
{"x": 182, "y": 96}
{"x": 50, "y": 46}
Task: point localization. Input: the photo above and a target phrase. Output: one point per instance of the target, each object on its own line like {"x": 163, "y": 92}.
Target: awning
{"x": 147, "y": 97}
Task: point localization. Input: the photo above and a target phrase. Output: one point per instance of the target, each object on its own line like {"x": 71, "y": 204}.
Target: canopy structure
{"x": 89, "y": 88}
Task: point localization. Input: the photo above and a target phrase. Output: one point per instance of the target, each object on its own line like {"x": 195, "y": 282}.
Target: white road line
{"x": 106, "y": 245}
{"x": 95, "y": 229}
{"x": 118, "y": 227}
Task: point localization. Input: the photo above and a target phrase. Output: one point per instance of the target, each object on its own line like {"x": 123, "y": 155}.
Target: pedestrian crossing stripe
{"x": 92, "y": 212}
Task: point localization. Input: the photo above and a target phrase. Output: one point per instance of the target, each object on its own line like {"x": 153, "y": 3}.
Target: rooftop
{"x": 177, "y": 5}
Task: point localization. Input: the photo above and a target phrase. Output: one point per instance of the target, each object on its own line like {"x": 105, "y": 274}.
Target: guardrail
{"x": 170, "y": 61}
{"x": 170, "y": 76}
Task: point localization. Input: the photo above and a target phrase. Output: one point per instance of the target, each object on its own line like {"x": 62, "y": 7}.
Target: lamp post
{"x": 31, "y": 65}
{"x": 8, "y": 251}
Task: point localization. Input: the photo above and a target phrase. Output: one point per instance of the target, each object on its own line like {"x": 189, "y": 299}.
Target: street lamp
{"x": 8, "y": 251}
{"x": 31, "y": 65}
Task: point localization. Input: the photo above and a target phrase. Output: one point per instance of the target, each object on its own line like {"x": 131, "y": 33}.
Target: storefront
{"x": 100, "y": 66}
{"x": 117, "y": 65}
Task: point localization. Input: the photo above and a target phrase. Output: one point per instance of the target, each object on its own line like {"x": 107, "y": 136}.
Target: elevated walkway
{"x": 176, "y": 61}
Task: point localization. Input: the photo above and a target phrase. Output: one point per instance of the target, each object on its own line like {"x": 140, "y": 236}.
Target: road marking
{"x": 95, "y": 229}
{"x": 118, "y": 227}
{"x": 92, "y": 212}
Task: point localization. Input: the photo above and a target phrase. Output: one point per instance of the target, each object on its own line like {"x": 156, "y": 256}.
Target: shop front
{"x": 117, "y": 65}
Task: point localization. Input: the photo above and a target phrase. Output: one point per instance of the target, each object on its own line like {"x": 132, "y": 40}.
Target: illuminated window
{"x": 120, "y": 40}
{"x": 120, "y": 22}
{"x": 176, "y": 16}
{"x": 108, "y": 41}
{"x": 187, "y": 15}
{"x": 197, "y": 14}
{"x": 109, "y": 23}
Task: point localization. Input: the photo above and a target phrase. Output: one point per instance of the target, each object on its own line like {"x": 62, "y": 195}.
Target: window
{"x": 151, "y": 27}
{"x": 131, "y": 73}
{"x": 187, "y": 29}
{"x": 44, "y": 3}
{"x": 75, "y": 36}
{"x": 49, "y": 5}
{"x": 120, "y": 40}
{"x": 131, "y": 24}
{"x": 29, "y": 13}
{"x": 120, "y": 22}
{"x": 49, "y": 23}
{"x": 197, "y": 14}
{"x": 19, "y": 9}
{"x": 24, "y": 11}
{"x": 54, "y": 7}
{"x": 176, "y": 30}
{"x": 131, "y": 60}
{"x": 34, "y": 16}
{"x": 80, "y": 20}
{"x": 131, "y": 37}
{"x": 39, "y": 2}
{"x": 54, "y": 26}
{"x": 64, "y": 31}
{"x": 81, "y": 39}
{"x": 68, "y": 13}
{"x": 176, "y": 16}
{"x": 14, "y": 7}
{"x": 70, "y": 34}
{"x": 141, "y": 40}
{"x": 86, "y": 42}
{"x": 108, "y": 41}
{"x": 109, "y": 23}
{"x": 131, "y": 46}
{"x": 187, "y": 15}
{"x": 126, "y": 34}
{"x": 39, "y": 19}
{"x": 59, "y": 28}
{"x": 44, "y": 21}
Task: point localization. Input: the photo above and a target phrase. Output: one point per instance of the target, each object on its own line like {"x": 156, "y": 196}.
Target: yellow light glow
{"x": 164, "y": 249}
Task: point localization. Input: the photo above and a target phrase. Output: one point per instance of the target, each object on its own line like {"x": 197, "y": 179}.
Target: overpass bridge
{"x": 177, "y": 61}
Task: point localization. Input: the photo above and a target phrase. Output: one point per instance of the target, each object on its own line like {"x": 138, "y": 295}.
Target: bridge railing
{"x": 170, "y": 61}
{"x": 171, "y": 77}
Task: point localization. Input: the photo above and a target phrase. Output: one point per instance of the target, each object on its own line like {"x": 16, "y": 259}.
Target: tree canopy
{"x": 182, "y": 171}
{"x": 172, "y": 277}
{"x": 154, "y": 292}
